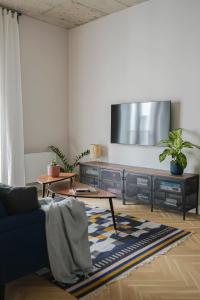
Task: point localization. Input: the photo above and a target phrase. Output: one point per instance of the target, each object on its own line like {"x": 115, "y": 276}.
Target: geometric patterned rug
{"x": 136, "y": 242}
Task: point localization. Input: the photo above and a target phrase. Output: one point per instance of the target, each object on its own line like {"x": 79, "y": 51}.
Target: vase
{"x": 175, "y": 168}
{"x": 53, "y": 171}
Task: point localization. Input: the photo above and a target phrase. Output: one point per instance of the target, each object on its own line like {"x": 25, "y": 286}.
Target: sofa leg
{"x": 2, "y": 291}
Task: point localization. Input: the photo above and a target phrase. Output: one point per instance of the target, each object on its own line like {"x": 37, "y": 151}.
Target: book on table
{"x": 85, "y": 190}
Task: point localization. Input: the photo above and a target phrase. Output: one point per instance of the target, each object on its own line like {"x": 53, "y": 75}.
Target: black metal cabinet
{"x": 150, "y": 186}
{"x": 112, "y": 181}
{"x": 137, "y": 187}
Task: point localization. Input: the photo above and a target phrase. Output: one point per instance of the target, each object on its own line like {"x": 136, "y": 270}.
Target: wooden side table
{"x": 48, "y": 180}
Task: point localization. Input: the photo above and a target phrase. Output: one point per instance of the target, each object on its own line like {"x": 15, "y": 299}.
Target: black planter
{"x": 175, "y": 168}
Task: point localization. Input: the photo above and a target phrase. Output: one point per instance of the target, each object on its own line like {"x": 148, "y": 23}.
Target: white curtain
{"x": 11, "y": 115}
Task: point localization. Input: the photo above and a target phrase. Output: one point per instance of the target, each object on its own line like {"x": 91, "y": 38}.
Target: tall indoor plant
{"x": 174, "y": 146}
{"x": 66, "y": 166}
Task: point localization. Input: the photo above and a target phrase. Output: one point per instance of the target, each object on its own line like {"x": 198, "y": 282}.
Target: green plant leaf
{"x": 53, "y": 162}
{"x": 166, "y": 143}
{"x": 190, "y": 145}
{"x": 178, "y": 132}
{"x": 164, "y": 154}
{"x": 66, "y": 166}
{"x": 60, "y": 154}
{"x": 182, "y": 160}
{"x": 187, "y": 144}
{"x": 175, "y": 134}
{"x": 78, "y": 157}
{"x": 62, "y": 169}
{"x": 178, "y": 143}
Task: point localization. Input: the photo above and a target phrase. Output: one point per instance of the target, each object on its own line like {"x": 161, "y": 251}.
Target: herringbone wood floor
{"x": 173, "y": 276}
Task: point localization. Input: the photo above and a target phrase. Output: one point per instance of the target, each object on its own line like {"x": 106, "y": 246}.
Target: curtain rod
{"x": 12, "y": 10}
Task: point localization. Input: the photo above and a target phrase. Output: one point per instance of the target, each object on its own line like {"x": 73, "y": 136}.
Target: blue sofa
{"x": 23, "y": 248}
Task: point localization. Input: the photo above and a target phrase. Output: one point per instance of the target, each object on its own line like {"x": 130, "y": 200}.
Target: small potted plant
{"x": 53, "y": 169}
{"x": 174, "y": 145}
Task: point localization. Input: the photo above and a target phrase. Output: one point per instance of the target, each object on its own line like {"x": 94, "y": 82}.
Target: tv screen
{"x": 141, "y": 123}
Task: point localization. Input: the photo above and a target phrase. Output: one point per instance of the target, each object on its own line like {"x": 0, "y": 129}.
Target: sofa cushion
{"x": 3, "y": 212}
{"x": 18, "y": 200}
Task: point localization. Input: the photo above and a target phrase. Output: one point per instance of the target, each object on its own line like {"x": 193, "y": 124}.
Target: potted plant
{"x": 53, "y": 169}
{"x": 66, "y": 166}
{"x": 174, "y": 145}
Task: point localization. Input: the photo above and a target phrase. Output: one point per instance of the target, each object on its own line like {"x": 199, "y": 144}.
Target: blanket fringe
{"x": 147, "y": 261}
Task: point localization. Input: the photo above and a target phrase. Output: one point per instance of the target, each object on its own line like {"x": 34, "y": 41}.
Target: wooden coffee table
{"x": 48, "y": 180}
{"x": 64, "y": 189}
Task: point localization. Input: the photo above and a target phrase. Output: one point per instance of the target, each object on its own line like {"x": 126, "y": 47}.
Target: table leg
{"x": 112, "y": 212}
{"x": 151, "y": 205}
{"x": 48, "y": 189}
{"x": 43, "y": 190}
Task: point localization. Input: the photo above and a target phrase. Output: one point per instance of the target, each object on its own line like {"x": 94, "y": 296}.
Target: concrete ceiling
{"x": 68, "y": 13}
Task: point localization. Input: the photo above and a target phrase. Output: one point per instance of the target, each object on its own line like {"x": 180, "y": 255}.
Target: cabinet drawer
{"x": 138, "y": 195}
{"x": 111, "y": 175}
{"x": 89, "y": 171}
{"x": 112, "y": 181}
{"x": 90, "y": 181}
{"x": 112, "y": 187}
{"x": 139, "y": 180}
{"x": 168, "y": 199}
{"x": 167, "y": 185}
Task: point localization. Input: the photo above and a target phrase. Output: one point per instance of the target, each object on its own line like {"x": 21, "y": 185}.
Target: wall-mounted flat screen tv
{"x": 140, "y": 123}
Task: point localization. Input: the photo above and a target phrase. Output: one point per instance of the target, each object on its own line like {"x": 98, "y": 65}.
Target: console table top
{"x": 147, "y": 171}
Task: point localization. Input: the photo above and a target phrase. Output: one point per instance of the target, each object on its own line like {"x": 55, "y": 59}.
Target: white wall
{"x": 44, "y": 84}
{"x": 149, "y": 51}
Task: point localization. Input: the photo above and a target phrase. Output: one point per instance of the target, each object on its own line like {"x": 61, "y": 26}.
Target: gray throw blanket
{"x": 67, "y": 238}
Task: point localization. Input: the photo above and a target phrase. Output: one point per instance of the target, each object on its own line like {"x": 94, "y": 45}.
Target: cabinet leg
{"x": 2, "y": 291}
{"x": 184, "y": 203}
{"x": 197, "y": 210}
{"x": 124, "y": 201}
{"x": 197, "y": 205}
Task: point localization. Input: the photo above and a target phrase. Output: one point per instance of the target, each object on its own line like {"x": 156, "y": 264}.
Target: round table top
{"x": 64, "y": 188}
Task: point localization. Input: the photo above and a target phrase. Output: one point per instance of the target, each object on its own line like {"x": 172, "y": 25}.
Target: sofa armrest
{"x": 21, "y": 220}
{"x": 23, "y": 247}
